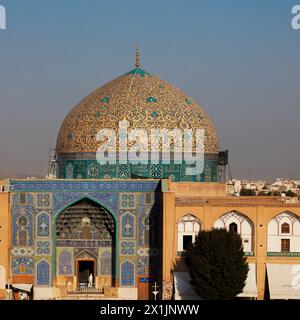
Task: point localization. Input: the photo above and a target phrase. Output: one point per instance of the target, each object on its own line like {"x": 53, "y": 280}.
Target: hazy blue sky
{"x": 239, "y": 59}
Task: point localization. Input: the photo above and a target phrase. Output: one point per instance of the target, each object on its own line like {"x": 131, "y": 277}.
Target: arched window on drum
{"x": 188, "y": 228}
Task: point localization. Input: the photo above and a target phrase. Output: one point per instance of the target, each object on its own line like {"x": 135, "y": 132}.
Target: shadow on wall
{"x": 155, "y": 246}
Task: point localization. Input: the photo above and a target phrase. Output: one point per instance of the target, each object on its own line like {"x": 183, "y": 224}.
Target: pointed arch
{"x": 88, "y": 197}
{"x": 65, "y": 262}
{"x": 114, "y": 237}
{"x": 85, "y": 254}
{"x": 188, "y": 227}
{"x": 127, "y": 272}
{"x": 285, "y": 228}
{"x": 284, "y": 234}
{"x": 280, "y": 214}
{"x": 43, "y": 224}
{"x": 43, "y": 273}
{"x": 105, "y": 263}
{"x": 128, "y": 225}
{"x": 240, "y": 223}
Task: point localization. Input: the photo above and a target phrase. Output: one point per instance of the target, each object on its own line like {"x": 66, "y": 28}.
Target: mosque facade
{"x": 120, "y": 229}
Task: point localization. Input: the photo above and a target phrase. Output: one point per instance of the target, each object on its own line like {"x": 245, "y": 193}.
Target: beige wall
{"x": 260, "y": 210}
{"x": 194, "y": 189}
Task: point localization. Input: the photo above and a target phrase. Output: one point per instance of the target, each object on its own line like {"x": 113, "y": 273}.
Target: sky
{"x": 238, "y": 59}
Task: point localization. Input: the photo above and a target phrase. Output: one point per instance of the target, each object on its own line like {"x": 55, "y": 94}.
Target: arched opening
{"x": 284, "y": 235}
{"x": 239, "y": 223}
{"x": 86, "y": 270}
{"x": 188, "y": 228}
{"x": 43, "y": 273}
{"x": 233, "y": 227}
{"x": 285, "y": 228}
{"x": 84, "y": 231}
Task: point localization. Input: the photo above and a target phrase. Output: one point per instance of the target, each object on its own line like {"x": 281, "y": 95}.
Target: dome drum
{"x": 74, "y": 167}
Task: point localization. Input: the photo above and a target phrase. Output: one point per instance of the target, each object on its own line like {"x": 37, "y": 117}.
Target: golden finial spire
{"x": 137, "y": 56}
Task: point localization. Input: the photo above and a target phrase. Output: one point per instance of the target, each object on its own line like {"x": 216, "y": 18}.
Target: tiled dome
{"x": 144, "y": 100}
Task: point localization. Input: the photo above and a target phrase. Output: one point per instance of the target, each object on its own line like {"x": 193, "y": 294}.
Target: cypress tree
{"x": 217, "y": 265}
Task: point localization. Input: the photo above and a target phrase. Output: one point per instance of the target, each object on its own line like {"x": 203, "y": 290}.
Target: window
{"x": 285, "y": 228}
{"x": 22, "y": 198}
{"x": 285, "y": 245}
{"x": 86, "y": 231}
{"x": 43, "y": 223}
{"x": 233, "y": 227}
{"x": 148, "y": 198}
{"x": 22, "y": 238}
{"x": 43, "y": 273}
{"x": 127, "y": 274}
{"x": 188, "y": 228}
{"x": 187, "y": 241}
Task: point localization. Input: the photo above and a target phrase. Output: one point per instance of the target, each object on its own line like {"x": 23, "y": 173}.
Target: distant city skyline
{"x": 238, "y": 60}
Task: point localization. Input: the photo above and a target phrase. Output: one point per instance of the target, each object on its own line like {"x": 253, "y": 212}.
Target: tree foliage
{"x": 290, "y": 193}
{"x": 264, "y": 193}
{"x": 247, "y": 192}
{"x": 217, "y": 265}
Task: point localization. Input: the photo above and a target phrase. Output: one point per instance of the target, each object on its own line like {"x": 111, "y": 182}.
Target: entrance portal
{"x": 86, "y": 245}
{"x": 85, "y": 268}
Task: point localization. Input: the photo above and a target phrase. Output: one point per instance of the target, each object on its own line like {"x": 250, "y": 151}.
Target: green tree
{"x": 217, "y": 265}
{"x": 276, "y": 193}
{"x": 247, "y": 192}
{"x": 264, "y": 193}
{"x": 290, "y": 193}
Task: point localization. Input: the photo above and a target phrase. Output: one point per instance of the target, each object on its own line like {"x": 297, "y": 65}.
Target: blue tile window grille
{"x": 127, "y": 225}
{"x": 127, "y": 274}
{"x": 43, "y": 225}
{"x": 43, "y": 273}
{"x": 106, "y": 263}
{"x": 65, "y": 263}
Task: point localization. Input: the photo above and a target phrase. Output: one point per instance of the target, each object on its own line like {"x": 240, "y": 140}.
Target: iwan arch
{"x": 85, "y": 243}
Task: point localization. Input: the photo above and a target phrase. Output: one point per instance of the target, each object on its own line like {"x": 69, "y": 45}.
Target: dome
{"x": 139, "y": 97}
{"x": 146, "y": 102}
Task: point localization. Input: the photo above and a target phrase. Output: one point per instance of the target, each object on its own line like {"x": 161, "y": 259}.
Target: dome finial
{"x": 137, "y": 56}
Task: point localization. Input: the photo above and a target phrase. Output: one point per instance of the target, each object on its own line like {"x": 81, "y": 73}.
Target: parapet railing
{"x": 88, "y": 288}
{"x": 283, "y": 254}
{"x": 247, "y": 253}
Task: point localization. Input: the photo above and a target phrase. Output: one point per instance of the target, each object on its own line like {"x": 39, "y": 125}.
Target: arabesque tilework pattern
{"x": 36, "y": 252}
{"x": 134, "y": 96}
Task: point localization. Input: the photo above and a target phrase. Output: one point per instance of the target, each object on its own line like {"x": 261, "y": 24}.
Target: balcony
{"x": 86, "y": 288}
{"x": 246, "y": 254}
{"x": 283, "y": 254}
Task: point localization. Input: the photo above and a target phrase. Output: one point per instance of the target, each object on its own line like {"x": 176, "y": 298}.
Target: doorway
{"x": 85, "y": 268}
